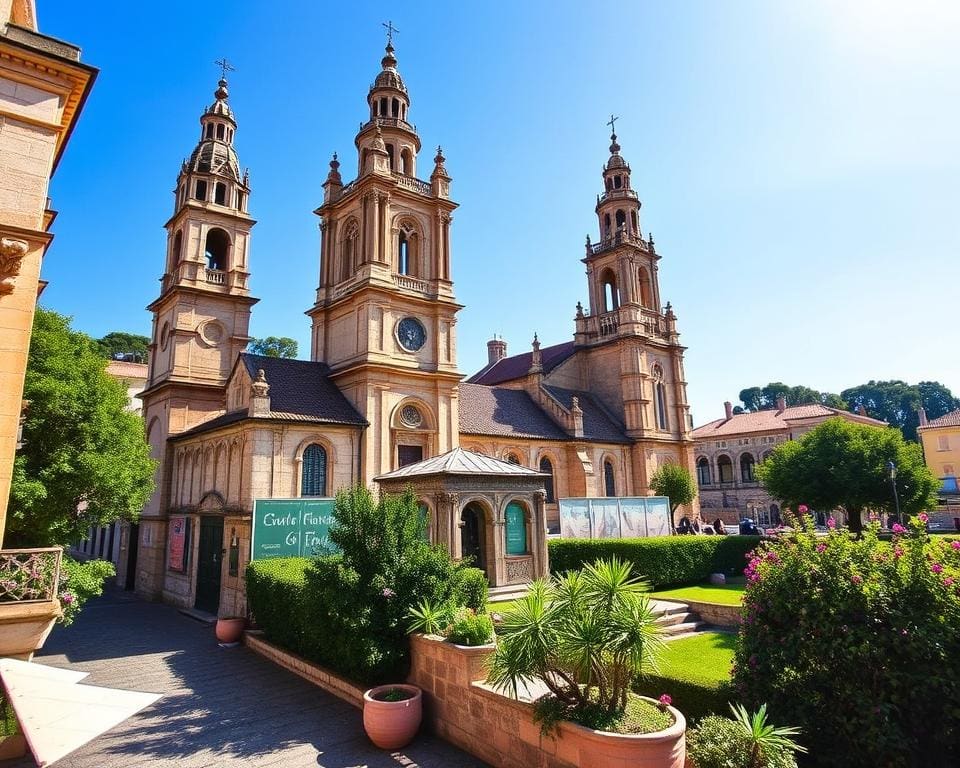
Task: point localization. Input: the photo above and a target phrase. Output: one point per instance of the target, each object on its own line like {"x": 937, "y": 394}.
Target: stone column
{"x": 376, "y": 228}
{"x": 541, "y": 566}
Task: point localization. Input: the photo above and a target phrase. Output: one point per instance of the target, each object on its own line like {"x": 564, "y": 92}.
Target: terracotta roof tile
{"x": 121, "y": 369}
{"x": 518, "y": 366}
{"x": 598, "y": 423}
{"x": 504, "y": 412}
{"x": 951, "y": 419}
{"x": 771, "y": 420}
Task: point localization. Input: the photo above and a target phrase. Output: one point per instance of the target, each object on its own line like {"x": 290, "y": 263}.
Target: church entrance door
{"x": 209, "y": 564}
{"x": 471, "y": 536}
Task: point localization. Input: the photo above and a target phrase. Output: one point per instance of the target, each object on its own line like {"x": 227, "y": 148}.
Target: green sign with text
{"x": 291, "y": 528}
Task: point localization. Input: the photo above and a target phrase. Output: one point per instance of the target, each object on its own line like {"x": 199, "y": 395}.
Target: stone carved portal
{"x": 472, "y": 535}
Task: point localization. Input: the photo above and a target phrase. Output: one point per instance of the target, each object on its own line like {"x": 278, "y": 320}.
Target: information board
{"x": 291, "y": 528}
{"x": 614, "y": 517}
{"x": 179, "y": 528}
{"x": 516, "y": 530}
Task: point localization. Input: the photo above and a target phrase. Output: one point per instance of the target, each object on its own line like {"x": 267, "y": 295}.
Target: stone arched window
{"x": 617, "y": 183}
{"x": 220, "y": 129}
{"x": 659, "y": 398}
{"x": 703, "y": 471}
{"x": 408, "y": 250}
{"x": 513, "y": 458}
{"x": 390, "y": 156}
{"x": 546, "y": 467}
{"x": 609, "y": 479}
{"x": 209, "y": 130}
{"x": 348, "y": 249}
{"x": 406, "y": 161}
{"x": 746, "y": 468}
{"x": 606, "y": 225}
{"x": 313, "y": 472}
{"x": 611, "y": 294}
{"x": 200, "y": 190}
{"x": 621, "y": 219}
{"x": 176, "y": 250}
{"x": 725, "y": 469}
{"x": 216, "y": 249}
{"x": 395, "y": 107}
{"x": 646, "y": 288}
{"x": 220, "y": 193}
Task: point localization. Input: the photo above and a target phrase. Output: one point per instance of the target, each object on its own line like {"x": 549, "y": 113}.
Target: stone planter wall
{"x": 727, "y": 616}
{"x": 500, "y": 730}
{"x": 24, "y": 627}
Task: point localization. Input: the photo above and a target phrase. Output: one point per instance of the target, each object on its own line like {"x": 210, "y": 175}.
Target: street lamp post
{"x": 893, "y": 481}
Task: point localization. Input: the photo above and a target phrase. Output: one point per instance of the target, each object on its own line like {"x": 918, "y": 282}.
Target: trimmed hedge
{"x": 661, "y": 560}
{"x": 695, "y": 698}
{"x": 277, "y": 594}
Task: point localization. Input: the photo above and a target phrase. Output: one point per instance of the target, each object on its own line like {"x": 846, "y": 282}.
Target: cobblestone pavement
{"x": 220, "y": 707}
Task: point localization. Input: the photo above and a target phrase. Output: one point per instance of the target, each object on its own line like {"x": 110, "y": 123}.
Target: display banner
{"x": 615, "y": 517}
{"x": 177, "y": 557}
{"x": 291, "y": 528}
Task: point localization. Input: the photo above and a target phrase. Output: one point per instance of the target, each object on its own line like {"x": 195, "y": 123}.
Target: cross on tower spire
{"x": 612, "y": 124}
{"x": 225, "y": 66}
{"x": 390, "y": 30}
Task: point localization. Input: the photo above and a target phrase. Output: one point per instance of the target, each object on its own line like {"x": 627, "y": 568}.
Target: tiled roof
{"x": 517, "y": 366}
{"x": 951, "y": 419}
{"x": 302, "y": 388}
{"x": 771, "y": 420}
{"x": 459, "y": 462}
{"x": 123, "y": 370}
{"x": 506, "y": 412}
{"x": 598, "y": 423}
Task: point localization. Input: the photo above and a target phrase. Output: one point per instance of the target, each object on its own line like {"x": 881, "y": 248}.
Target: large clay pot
{"x": 392, "y": 724}
{"x": 230, "y": 630}
{"x": 599, "y": 749}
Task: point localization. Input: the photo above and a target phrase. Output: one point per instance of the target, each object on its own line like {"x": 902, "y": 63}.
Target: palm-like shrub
{"x": 585, "y": 635}
{"x": 746, "y": 741}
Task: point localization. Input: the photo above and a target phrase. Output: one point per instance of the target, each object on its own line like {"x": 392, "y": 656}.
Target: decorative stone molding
{"x": 11, "y": 258}
{"x": 519, "y": 570}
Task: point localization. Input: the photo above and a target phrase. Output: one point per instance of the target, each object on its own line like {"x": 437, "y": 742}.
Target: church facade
{"x": 381, "y": 400}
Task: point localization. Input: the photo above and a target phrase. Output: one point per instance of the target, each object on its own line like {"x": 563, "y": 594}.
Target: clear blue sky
{"x": 797, "y": 162}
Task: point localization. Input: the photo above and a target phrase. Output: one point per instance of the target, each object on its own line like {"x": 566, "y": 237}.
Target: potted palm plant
{"x": 582, "y": 638}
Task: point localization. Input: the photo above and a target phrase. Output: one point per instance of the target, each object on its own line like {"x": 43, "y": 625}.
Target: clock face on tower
{"x": 411, "y": 334}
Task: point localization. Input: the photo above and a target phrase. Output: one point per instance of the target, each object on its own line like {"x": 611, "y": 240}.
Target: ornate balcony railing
{"x": 389, "y": 122}
{"x": 614, "y": 194}
{"x": 29, "y": 575}
{"x": 413, "y": 183}
{"x": 216, "y": 276}
{"x": 411, "y": 283}
{"x": 620, "y": 238}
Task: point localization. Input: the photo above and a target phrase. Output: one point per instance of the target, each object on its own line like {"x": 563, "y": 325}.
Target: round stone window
{"x": 410, "y": 416}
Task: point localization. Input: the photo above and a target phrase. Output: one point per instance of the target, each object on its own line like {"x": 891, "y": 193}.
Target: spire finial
{"x": 225, "y": 66}
{"x": 388, "y": 25}
{"x": 614, "y": 147}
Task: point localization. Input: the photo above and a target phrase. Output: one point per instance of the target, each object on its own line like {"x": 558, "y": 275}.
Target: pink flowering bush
{"x": 858, "y": 643}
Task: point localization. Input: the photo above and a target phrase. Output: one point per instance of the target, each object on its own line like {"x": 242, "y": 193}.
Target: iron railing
{"x": 29, "y": 575}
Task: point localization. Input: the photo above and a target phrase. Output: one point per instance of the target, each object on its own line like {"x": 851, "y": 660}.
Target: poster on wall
{"x": 291, "y": 528}
{"x": 612, "y": 517}
{"x": 177, "y": 559}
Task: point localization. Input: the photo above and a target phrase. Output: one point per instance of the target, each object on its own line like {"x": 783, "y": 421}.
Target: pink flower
{"x": 831, "y": 523}
{"x": 897, "y": 528}
{"x": 821, "y": 547}
{"x": 388, "y": 593}
{"x": 803, "y": 509}
{"x": 856, "y": 578}
{"x": 948, "y": 581}
{"x": 67, "y": 597}
{"x": 922, "y": 517}
{"x": 897, "y": 552}
{"x": 955, "y": 544}
{"x": 665, "y": 700}
{"x": 936, "y": 568}
{"x": 773, "y": 557}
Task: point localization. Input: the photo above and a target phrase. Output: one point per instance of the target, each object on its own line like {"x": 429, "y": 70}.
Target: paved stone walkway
{"x": 220, "y": 707}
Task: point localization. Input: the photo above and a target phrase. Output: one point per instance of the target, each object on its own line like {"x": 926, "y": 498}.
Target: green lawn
{"x": 695, "y": 672}
{"x": 730, "y": 593}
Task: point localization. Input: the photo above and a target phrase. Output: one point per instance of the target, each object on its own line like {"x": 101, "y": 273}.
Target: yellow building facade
{"x": 941, "y": 449}
{"x": 43, "y": 86}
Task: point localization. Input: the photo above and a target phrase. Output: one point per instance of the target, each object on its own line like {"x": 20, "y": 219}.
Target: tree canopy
{"x": 896, "y": 402}
{"x": 844, "y": 465}
{"x": 120, "y": 344}
{"x": 84, "y": 460}
{"x": 764, "y": 398}
{"x": 675, "y": 482}
{"x": 274, "y": 346}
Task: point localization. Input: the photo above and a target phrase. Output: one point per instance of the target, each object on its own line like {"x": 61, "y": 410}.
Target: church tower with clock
{"x": 385, "y": 312}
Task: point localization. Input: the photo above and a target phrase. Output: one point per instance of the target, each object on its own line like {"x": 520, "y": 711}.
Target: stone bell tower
{"x": 384, "y": 314}
{"x": 201, "y": 317}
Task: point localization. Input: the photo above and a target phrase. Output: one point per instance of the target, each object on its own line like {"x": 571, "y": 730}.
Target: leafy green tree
{"x": 842, "y": 464}
{"x": 764, "y": 398}
{"x": 896, "y": 402}
{"x": 84, "y": 460}
{"x": 675, "y": 482}
{"x": 119, "y": 343}
{"x": 274, "y": 346}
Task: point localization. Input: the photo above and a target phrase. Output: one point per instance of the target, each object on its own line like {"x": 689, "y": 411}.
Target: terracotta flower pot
{"x": 601, "y": 749}
{"x": 25, "y": 626}
{"x": 392, "y": 724}
{"x": 230, "y": 630}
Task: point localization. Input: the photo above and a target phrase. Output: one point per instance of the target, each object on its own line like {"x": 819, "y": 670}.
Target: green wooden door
{"x": 209, "y": 564}
{"x": 516, "y": 530}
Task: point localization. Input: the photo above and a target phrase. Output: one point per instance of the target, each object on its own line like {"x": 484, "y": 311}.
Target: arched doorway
{"x": 472, "y": 535}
